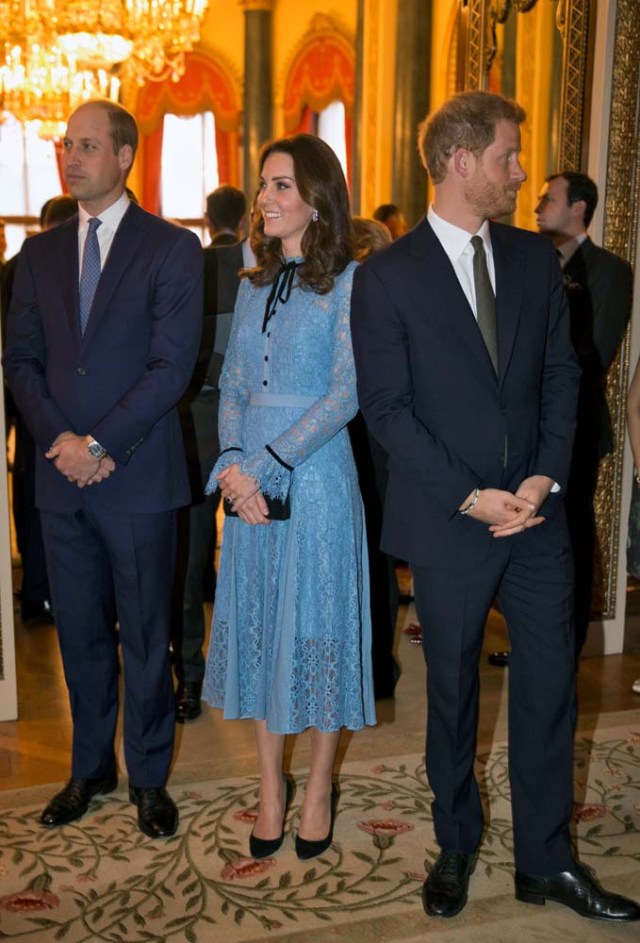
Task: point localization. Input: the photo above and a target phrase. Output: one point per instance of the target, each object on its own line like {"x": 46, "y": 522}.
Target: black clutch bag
{"x": 279, "y": 510}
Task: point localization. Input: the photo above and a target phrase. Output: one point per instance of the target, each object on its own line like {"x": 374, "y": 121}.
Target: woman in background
{"x": 291, "y": 634}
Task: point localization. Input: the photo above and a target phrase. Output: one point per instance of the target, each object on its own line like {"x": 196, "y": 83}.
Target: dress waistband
{"x": 280, "y": 399}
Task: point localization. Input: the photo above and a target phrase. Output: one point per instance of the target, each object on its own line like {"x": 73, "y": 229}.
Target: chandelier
{"x": 43, "y": 85}
{"x": 146, "y": 38}
{"x": 56, "y": 53}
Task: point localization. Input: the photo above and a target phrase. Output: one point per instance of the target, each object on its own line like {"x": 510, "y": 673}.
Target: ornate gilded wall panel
{"x": 476, "y": 33}
{"x": 620, "y": 236}
{"x": 573, "y": 22}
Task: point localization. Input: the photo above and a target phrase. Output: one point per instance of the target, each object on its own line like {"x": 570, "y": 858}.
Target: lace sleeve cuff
{"x": 227, "y": 457}
{"x": 271, "y": 473}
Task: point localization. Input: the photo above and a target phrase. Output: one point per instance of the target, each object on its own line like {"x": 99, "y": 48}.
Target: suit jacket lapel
{"x": 440, "y": 281}
{"x": 124, "y": 246}
{"x": 69, "y": 275}
{"x": 509, "y": 280}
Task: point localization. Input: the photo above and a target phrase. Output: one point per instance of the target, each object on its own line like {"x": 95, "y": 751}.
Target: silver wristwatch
{"x": 95, "y": 449}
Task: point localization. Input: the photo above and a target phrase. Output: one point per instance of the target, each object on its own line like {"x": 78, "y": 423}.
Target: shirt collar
{"x": 568, "y": 249}
{"x": 455, "y": 240}
{"x": 111, "y": 216}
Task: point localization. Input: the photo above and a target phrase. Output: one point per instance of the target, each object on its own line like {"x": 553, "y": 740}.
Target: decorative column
{"x": 356, "y": 137}
{"x": 413, "y": 58}
{"x": 257, "y": 86}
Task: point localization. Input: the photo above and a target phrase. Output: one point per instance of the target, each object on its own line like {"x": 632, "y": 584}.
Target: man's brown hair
{"x": 467, "y": 120}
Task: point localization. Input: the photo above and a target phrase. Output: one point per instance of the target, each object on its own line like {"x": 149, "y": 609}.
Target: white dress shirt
{"x": 456, "y": 243}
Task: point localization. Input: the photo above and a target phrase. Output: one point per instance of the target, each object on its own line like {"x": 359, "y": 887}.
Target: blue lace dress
{"x": 291, "y": 634}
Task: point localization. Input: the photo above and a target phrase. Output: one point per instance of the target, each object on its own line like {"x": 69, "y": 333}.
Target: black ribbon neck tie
{"x": 280, "y": 291}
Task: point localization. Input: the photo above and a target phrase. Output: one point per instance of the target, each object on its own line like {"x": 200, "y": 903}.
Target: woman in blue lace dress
{"x": 291, "y": 636}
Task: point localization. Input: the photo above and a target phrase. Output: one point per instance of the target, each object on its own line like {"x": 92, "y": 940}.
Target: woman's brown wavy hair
{"x": 326, "y": 244}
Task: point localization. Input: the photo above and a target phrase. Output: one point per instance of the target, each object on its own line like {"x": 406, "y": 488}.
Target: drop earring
{"x": 315, "y": 216}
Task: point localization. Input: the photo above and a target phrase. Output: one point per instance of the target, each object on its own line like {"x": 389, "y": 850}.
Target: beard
{"x": 490, "y": 200}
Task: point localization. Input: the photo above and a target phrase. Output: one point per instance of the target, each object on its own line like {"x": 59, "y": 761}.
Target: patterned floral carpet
{"x": 101, "y": 880}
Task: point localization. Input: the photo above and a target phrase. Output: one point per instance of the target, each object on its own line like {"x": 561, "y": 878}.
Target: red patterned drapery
{"x": 207, "y": 85}
{"x": 322, "y": 71}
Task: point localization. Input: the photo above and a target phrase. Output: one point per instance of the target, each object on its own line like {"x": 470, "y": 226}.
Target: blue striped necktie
{"x": 90, "y": 274}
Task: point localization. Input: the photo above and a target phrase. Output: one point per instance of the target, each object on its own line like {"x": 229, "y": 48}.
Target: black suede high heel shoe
{"x": 265, "y": 847}
{"x": 305, "y": 848}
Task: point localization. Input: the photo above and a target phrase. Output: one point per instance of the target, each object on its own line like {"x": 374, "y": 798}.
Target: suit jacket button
{"x": 81, "y": 371}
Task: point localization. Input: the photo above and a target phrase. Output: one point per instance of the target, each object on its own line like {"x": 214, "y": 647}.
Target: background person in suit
{"x": 599, "y": 286}
{"x": 195, "y": 574}
{"x": 35, "y": 602}
{"x": 467, "y": 377}
{"x": 102, "y": 336}
{"x": 226, "y": 208}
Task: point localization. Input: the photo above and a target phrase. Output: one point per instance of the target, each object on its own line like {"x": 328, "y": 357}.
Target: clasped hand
{"x": 71, "y": 457}
{"x": 508, "y": 513}
{"x": 242, "y": 492}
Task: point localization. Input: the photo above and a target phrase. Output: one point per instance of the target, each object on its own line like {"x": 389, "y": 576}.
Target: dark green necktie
{"x": 485, "y": 300}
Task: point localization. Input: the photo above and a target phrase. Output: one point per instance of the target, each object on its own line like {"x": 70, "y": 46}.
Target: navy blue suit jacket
{"x": 121, "y": 381}
{"x": 429, "y": 393}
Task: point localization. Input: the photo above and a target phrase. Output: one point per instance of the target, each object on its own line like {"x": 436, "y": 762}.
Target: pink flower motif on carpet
{"x": 388, "y": 805}
{"x": 380, "y": 768}
{"x": 587, "y": 813}
{"x": 29, "y": 901}
{"x": 246, "y": 815}
{"x": 243, "y": 868}
{"x": 385, "y": 830}
{"x": 35, "y": 896}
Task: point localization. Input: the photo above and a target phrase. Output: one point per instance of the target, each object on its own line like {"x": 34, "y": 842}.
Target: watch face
{"x": 96, "y": 450}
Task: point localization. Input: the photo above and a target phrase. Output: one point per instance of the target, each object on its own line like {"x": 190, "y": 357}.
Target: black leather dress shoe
{"x": 36, "y": 612}
{"x": 157, "y": 812}
{"x": 72, "y": 802}
{"x": 501, "y": 659}
{"x": 445, "y": 891}
{"x": 578, "y": 889}
{"x": 188, "y": 697}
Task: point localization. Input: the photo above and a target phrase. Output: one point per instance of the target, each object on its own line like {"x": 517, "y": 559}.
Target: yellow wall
{"x": 222, "y": 32}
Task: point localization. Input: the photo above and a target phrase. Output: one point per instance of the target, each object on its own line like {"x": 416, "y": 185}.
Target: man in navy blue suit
{"x": 102, "y": 336}
{"x": 467, "y": 377}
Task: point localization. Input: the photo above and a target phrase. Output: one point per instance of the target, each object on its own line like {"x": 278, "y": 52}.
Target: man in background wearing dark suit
{"x": 197, "y": 523}
{"x": 598, "y": 286}
{"x": 467, "y": 377}
{"x": 102, "y": 336}
{"x": 35, "y": 597}
{"x": 226, "y": 208}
